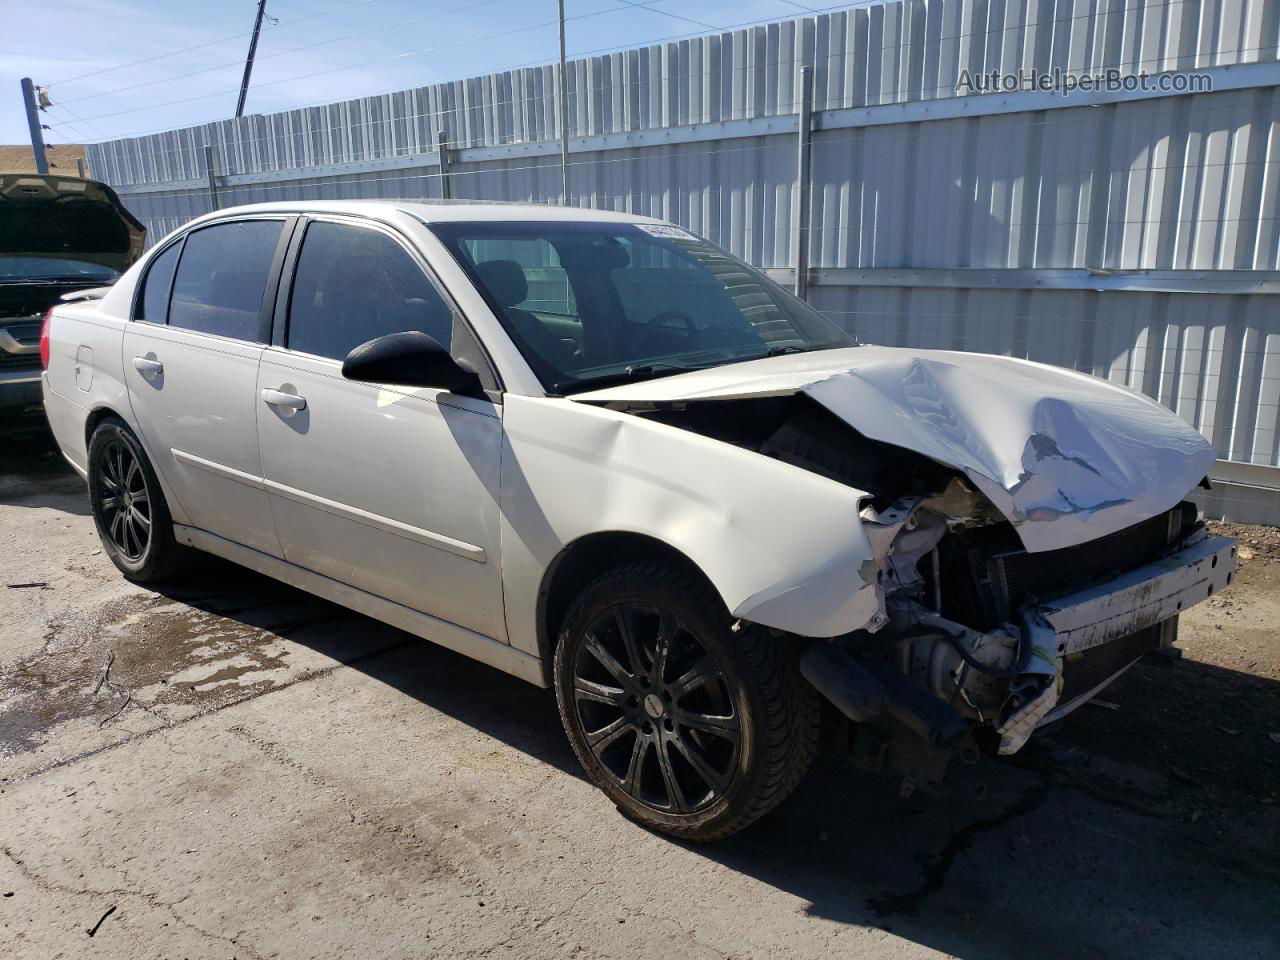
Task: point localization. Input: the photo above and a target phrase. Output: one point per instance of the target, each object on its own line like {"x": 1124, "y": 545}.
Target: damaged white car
{"x": 599, "y": 453}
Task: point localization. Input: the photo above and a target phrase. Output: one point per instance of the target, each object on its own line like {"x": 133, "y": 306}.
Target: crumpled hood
{"x": 1064, "y": 456}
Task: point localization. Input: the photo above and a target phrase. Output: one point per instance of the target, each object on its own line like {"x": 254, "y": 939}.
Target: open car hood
{"x": 1065, "y": 457}
{"x": 67, "y": 217}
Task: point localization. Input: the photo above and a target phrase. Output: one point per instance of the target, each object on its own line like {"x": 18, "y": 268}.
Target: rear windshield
{"x": 51, "y": 268}
{"x": 591, "y": 303}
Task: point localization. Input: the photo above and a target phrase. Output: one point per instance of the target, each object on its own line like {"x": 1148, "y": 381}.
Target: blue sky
{"x": 320, "y": 50}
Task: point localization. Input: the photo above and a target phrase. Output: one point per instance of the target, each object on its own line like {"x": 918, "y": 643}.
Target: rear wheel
{"x": 690, "y": 728}
{"x": 129, "y": 508}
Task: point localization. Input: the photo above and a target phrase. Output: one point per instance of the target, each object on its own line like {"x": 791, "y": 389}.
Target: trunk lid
{"x": 66, "y": 218}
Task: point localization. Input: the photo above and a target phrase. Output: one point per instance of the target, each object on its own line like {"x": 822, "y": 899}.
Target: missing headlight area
{"x": 798, "y": 430}
{"x": 978, "y": 640}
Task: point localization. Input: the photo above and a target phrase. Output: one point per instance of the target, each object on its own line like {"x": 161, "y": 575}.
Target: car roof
{"x": 438, "y": 211}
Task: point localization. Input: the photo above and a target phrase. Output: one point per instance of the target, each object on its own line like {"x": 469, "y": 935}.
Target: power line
{"x": 367, "y": 63}
{"x": 1048, "y": 22}
{"x": 674, "y": 16}
{"x": 210, "y": 43}
{"x": 91, "y": 126}
{"x": 284, "y": 53}
{"x": 425, "y": 50}
{"x": 80, "y": 134}
{"x": 79, "y": 119}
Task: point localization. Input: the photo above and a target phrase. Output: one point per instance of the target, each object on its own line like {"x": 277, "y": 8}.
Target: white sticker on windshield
{"x": 666, "y": 230}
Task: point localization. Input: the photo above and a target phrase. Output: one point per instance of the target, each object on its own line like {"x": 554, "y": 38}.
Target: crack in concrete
{"x": 935, "y": 867}
{"x": 52, "y": 886}
{"x": 150, "y": 899}
{"x": 170, "y": 725}
{"x": 273, "y": 751}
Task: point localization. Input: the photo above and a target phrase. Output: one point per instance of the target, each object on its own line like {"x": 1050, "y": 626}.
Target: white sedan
{"x": 599, "y": 453}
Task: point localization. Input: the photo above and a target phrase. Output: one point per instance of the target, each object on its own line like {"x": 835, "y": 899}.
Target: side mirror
{"x": 411, "y": 359}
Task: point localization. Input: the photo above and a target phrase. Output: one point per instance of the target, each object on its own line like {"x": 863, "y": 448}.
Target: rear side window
{"x": 221, "y": 279}
{"x": 353, "y": 284}
{"x": 153, "y": 304}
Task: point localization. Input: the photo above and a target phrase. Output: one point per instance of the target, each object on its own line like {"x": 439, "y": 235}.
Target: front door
{"x": 191, "y": 366}
{"x": 389, "y": 489}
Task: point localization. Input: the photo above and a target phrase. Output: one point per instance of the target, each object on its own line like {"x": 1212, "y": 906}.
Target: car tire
{"x": 129, "y": 509}
{"x": 691, "y": 728}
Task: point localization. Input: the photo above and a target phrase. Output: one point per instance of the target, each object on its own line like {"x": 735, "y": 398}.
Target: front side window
{"x": 592, "y": 303}
{"x": 222, "y": 277}
{"x": 353, "y": 284}
{"x": 153, "y": 300}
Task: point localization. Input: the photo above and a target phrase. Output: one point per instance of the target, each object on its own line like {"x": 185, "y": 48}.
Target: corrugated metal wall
{"x": 1179, "y": 183}
{"x": 1131, "y": 236}
{"x": 886, "y": 53}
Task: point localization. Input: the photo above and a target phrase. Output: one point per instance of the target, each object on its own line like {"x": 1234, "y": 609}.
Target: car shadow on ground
{"x": 1148, "y": 810}
{"x": 1158, "y": 816}
{"x": 508, "y": 709}
{"x": 33, "y": 473}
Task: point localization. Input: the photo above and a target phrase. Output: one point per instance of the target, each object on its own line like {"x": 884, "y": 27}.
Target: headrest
{"x": 505, "y": 281}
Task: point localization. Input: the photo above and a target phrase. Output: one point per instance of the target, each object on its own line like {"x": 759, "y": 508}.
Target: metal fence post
{"x": 564, "y": 117}
{"x": 212, "y": 171}
{"x": 446, "y": 190}
{"x": 800, "y": 212}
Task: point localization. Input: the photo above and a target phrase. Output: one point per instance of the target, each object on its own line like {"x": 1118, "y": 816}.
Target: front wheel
{"x": 129, "y": 508}
{"x": 691, "y": 729}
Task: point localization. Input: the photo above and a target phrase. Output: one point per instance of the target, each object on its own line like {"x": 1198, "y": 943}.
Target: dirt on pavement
{"x": 230, "y": 767}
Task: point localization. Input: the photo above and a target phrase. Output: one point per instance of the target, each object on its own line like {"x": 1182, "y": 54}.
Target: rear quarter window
{"x": 222, "y": 277}
{"x": 153, "y": 300}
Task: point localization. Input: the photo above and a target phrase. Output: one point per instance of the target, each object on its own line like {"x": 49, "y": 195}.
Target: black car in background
{"x": 58, "y": 236}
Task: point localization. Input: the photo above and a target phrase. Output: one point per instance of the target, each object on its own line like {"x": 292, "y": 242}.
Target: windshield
{"x": 589, "y": 304}
{"x": 51, "y": 268}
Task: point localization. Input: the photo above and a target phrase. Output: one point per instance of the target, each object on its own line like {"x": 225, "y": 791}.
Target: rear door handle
{"x": 288, "y": 401}
{"x": 148, "y": 368}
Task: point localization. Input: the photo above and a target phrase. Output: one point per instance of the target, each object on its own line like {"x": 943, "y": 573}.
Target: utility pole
{"x": 248, "y": 63}
{"x": 564, "y": 115}
{"x": 33, "y": 123}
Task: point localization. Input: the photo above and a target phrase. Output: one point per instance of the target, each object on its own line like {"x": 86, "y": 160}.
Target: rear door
{"x": 390, "y": 489}
{"x": 191, "y": 364}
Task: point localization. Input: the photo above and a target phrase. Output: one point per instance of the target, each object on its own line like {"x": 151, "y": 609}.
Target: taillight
{"x": 44, "y": 339}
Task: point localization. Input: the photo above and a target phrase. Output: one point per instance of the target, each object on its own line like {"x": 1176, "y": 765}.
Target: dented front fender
{"x": 783, "y": 547}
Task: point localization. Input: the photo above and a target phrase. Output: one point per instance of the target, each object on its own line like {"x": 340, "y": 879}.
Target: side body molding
{"x": 783, "y": 547}
{"x": 387, "y": 525}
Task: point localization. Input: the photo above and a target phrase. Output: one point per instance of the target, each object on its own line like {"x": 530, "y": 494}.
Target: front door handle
{"x": 147, "y": 367}
{"x": 287, "y": 401}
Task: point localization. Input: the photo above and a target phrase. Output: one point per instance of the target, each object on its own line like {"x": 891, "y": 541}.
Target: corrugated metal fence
{"x": 1129, "y": 234}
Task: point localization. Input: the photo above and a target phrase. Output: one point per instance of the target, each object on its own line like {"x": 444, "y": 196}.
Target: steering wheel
{"x": 661, "y": 323}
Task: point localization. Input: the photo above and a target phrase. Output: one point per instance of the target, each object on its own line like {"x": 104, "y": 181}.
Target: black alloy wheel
{"x": 129, "y": 508}
{"x": 123, "y": 500}
{"x": 691, "y": 727}
{"x": 655, "y": 708}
